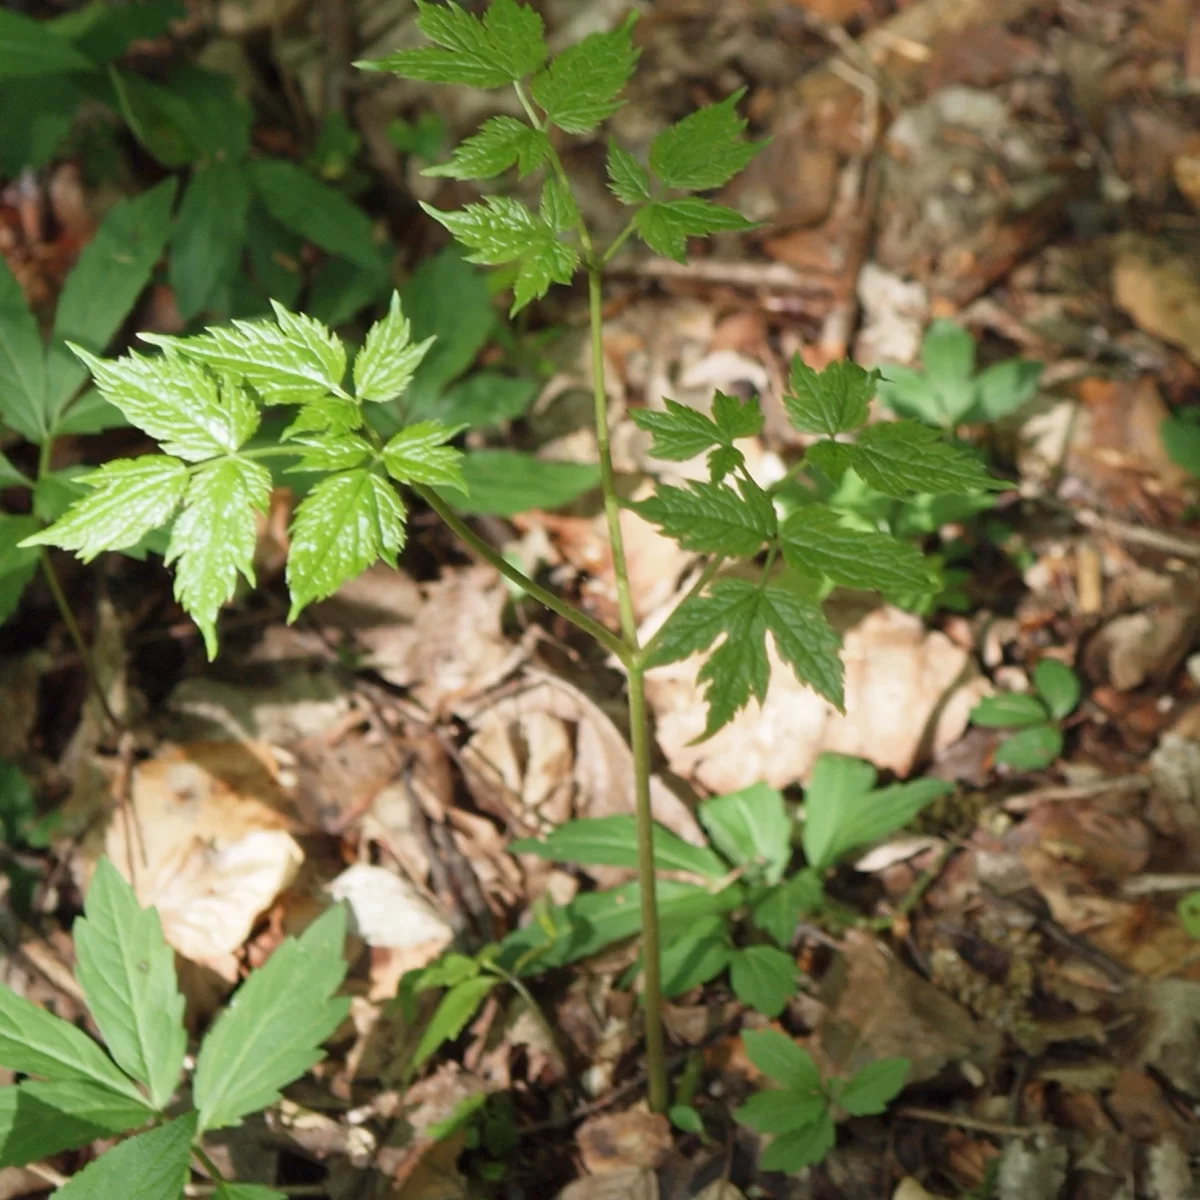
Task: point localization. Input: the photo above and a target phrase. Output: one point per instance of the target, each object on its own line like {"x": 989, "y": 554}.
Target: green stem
{"x": 618, "y": 242}
{"x": 564, "y": 608}
{"x": 210, "y": 1166}
{"x": 647, "y": 651}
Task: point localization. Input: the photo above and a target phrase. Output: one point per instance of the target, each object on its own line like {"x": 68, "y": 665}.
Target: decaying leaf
{"x": 616, "y": 1141}
{"x": 631, "y": 1183}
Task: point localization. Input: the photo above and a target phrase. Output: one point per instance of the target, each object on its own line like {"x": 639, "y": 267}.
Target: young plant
{"x": 74, "y": 1093}
{"x": 801, "y": 1112}
{"x": 202, "y": 401}
{"x": 1037, "y": 716}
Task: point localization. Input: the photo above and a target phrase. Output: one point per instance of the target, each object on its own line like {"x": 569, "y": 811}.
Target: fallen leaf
{"x": 632, "y": 1183}
{"x": 615, "y": 1141}
{"x": 1157, "y": 286}
{"x": 387, "y": 911}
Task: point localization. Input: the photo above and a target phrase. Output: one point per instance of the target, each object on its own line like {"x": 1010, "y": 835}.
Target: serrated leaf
{"x": 129, "y": 498}
{"x": 389, "y": 357}
{"x": 902, "y": 458}
{"x": 695, "y": 958}
{"x": 505, "y": 46}
{"x": 723, "y": 461}
{"x": 628, "y": 180}
{"x": 127, "y": 972}
{"x": 1058, "y": 685}
{"x": 705, "y": 150}
{"x": 711, "y": 518}
{"x": 331, "y": 452}
{"x": 816, "y": 539}
{"x": 666, "y": 225}
{"x": 419, "y": 454}
{"x": 737, "y": 418}
{"x": 332, "y": 415}
{"x": 39, "y": 1119}
{"x": 177, "y": 402}
{"x": 777, "y": 910}
{"x": 500, "y": 142}
{"x": 456, "y": 1008}
{"x": 271, "y": 1032}
{"x": 30, "y": 48}
{"x": 781, "y": 1110}
{"x": 581, "y": 86}
{"x": 151, "y": 1166}
{"x": 751, "y": 828}
{"x": 210, "y": 231}
{"x": 679, "y": 433}
{"x": 764, "y": 978}
{"x": 874, "y": 1087}
{"x": 506, "y": 482}
{"x": 1008, "y": 710}
{"x": 18, "y": 564}
{"x": 342, "y": 526}
{"x": 777, "y": 1055}
{"x": 22, "y": 362}
{"x": 832, "y": 401}
{"x": 1031, "y": 749}
{"x": 806, "y": 641}
{"x": 290, "y": 360}
{"x": 558, "y": 209}
{"x": 213, "y": 539}
{"x": 612, "y": 842}
{"x": 793, "y": 1151}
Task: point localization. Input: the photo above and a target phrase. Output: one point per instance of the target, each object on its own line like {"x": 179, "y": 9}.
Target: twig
{"x": 756, "y": 276}
{"x": 1059, "y": 793}
{"x": 1139, "y": 535}
{"x": 1151, "y": 885}
{"x": 995, "y": 1128}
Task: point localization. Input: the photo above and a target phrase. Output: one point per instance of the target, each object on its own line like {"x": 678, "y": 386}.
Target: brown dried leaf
{"x": 614, "y": 1141}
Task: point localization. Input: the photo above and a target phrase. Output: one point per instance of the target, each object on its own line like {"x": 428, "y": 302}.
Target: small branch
{"x": 994, "y": 1128}
{"x": 1138, "y": 535}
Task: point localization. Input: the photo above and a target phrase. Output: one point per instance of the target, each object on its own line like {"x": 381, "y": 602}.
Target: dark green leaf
{"x": 210, "y": 231}
{"x": 666, "y": 225}
{"x": 628, "y": 180}
{"x": 22, "y": 362}
{"x": 341, "y": 289}
{"x": 1058, "y": 686}
{"x": 1008, "y": 710}
{"x": 737, "y": 418}
{"x": 558, "y": 209}
{"x": 487, "y": 398}
{"x": 751, "y": 828}
{"x": 701, "y": 954}
{"x": 456, "y": 1008}
{"x": 29, "y": 48}
{"x": 104, "y": 31}
{"x": 902, "y": 458}
{"x": 1031, "y": 749}
{"x": 874, "y": 1087}
{"x": 581, "y": 86}
{"x": 831, "y": 401}
{"x": 506, "y": 482}
{"x": 711, "y": 518}
{"x": 792, "y": 1152}
{"x": 705, "y": 150}
{"x": 38, "y": 115}
{"x": 151, "y": 1166}
{"x": 806, "y": 641}
{"x": 777, "y": 1055}
{"x": 500, "y": 142}
{"x": 679, "y": 433}
{"x": 1182, "y": 441}
{"x": 764, "y": 978}
{"x": 17, "y": 564}
{"x": 17, "y": 807}
{"x": 90, "y": 413}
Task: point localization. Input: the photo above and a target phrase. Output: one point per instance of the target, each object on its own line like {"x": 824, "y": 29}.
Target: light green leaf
{"x": 18, "y": 564}
{"x": 687, "y": 1119}
{"x": 151, "y": 1166}
{"x": 318, "y": 213}
{"x": 22, "y": 365}
{"x": 777, "y": 910}
{"x": 779, "y": 1111}
{"x": 832, "y": 401}
{"x": 947, "y": 352}
{"x": 874, "y": 1087}
{"x": 628, "y": 180}
{"x": 776, "y": 1055}
{"x": 764, "y": 978}
{"x": 486, "y": 398}
{"x": 389, "y": 357}
{"x": 699, "y": 955}
{"x": 331, "y": 452}
{"x": 290, "y": 360}
{"x": 129, "y": 498}
{"x": 342, "y": 526}
{"x": 210, "y": 231}
{"x": 506, "y": 482}
{"x": 666, "y": 225}
{"x": 500, "y": 142}
{"x": 1031, "y": 749}
{"x": 792, "y": 1152}
{"x": 558, "y": 208}
{"x": 711, "y": 518}
{"x": 816, "y": 539}
{"x": 127, "y": 972}
{"x": 909, "y": 393}
{"x": 1058, "y": 685}
{"x": 177, "y": 402}
{"x": 456, "y": 1008}
{"x": 1008, "y": 710}
{"x": 903, "y": 457}
{"x": 448, "y": 971}
{"x": 213, "y": 539}
{"x": 272, "y": 1031}
{"x": 40, "y": 1119}
{"x": 331, "y": 416}
{"x": 705, "y": 150}
{"x": 29, "y": 48}
{"x": 247, "y": 1191}
{"x": 581, "y": 86}
{"x": 1004, "y": 387}
{"x": 1188, "y": 909}
{"x": 751, "y": 828}
{"x": 612, "y": 842}
{"x": 111, "y": 272}
{"x": 504, "y": 47}
{"x": 419, "y": 454}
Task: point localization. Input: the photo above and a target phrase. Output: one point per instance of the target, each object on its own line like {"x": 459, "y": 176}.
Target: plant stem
{"x": 210, "y": 1166}
{"x": 646, "y": 652}
{"x": 564, "y": 608}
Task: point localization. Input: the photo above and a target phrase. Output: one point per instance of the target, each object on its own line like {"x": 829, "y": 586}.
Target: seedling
{"x": 202, "y": 401}
{"x": 1037, "y": 716}
{"x": 76, "y": 1093}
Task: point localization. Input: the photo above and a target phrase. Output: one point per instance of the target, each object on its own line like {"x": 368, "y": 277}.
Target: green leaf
{"x": 666, "y": 225}
{"x": 817, "y": 540}
{"x": 129, "y": 498}
{"x": 111, "y": 272}
{"x": 679, "y": 433}
{"x": 832, "y": 401}
{"x": 389, "y": 357}
{"x": 776, "y": 1055}
{"x": 342, "y": 526}
{"x": 711, "y": 518}
{"x": 210, "y": 231}
{"x": 1189, "y": 913}
{"x": 901, "y": 458}
{"x": 1031, "y": 749}
{"x": 909, "y": 393}
{"x": 686, "y": 1118}
{"x": 792, "y": 1152}
{"x": 271, "y": 1033}
{"x": 947, "y": 352}
{"x": 22, "y": 362}
{"x": 736, "y": 418}
{"x": 177, "y": 402}
{"x": 456, "y": 1008}
{"x": 90, "y": 413}
{"x": 341, "y": 289}
{"x": 581, "y": 86}
{"x": 18, "y": 564}
{"x": 558, "y": 208}
{"x": 40, "y": 1119}
{"x": 504, "y": 47}
{"x": 503, "y": 230}
{"x": 1181, "y": 439}
{"x": 806, "y": 641}
{"x": 705, "y": 150}
{"x": 874, "y": 1087}
{"x": 151, "y": 1166}
{"x": 779, "y": 1111}
{"x": 17, "y": 806}
{"x": 318, "y": 213}
{"x": 506, "y": 482}
{"x": 1058, "y": 685}
{"x": 103, "y": 32}
{"x": 777, "y": 910}
{"x": 700, "y": 955}
{"x": 127, "y": 972}
{"x": 34, "y": 1042}
{"x": 330, "y": 452}
{"x": 11, "y": 477}
{"x": 247, "y": 1191}
{"x": 1008, "y": 710}
{"x": 332, "y": 416}
{"x": 419, "y": 454}
{"x": 30, "y": 48}
{"x": 628, "y": 180}
{"x": 500, "y": 142}
{"x": 448, "y": 971}
{"x": 612, "y": 842}
{"x": 486, "y": 398}
{"x": 764, "y": 978}
{"x": 213, "y": 539}
{"x": 1004, "y": 387}
{"x": 751, "y": 828}
{"x": 38, "y": 115}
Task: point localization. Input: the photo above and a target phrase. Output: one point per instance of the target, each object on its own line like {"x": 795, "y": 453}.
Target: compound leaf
{"x": 558, "y": 209}
{"x": 419, "y": 454}
{"x": 711, "y": 518}
{"x": 777, "y": 910}
{"x": 456, "y": 1008}
{"x": 628, "y": 180}
{"x": 272, "y": 1030}
{"x": 22, "y": 362}
{"x": 18, "y": 562}
{"x": 764, "y": 978}
{"x": 580, "y": 87}
{"x": 831, "y": 401}
{"x": 871, "y": 1090}
{"x": 151, "y": 1166}
{"x": 705, "y": 150}
{"x": 389, "y": 357}
{"x": 666, "y": 225}
{"x": 330, "y": 452}
{"x": 736, "y": 418}
{"x": 500, "y": 142}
